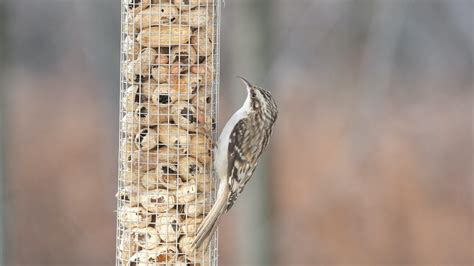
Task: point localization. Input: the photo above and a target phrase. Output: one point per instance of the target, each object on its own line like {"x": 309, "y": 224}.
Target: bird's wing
{"x": 241, "y": 162}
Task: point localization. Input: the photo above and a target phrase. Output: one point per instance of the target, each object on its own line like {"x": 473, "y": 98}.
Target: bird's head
{"x": 258, "y": 98}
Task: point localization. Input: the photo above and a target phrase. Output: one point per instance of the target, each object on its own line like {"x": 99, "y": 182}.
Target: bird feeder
{"x": 168, "y": 113}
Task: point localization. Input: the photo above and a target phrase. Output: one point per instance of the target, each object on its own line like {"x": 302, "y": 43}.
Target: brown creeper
{"x": 240, "y": 145}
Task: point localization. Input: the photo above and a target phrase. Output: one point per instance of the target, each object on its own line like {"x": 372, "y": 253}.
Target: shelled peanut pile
{"x": 168, "y": 113}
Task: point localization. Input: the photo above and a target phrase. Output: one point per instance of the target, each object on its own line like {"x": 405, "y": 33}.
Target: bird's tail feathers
{"x": 209, "y": 224}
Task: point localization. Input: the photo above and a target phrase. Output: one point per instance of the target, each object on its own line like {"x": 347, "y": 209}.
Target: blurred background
{"x": 370, "y": 163}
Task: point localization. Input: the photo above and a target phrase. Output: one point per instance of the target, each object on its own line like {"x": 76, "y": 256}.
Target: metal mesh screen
{"x": 169, "y": 79}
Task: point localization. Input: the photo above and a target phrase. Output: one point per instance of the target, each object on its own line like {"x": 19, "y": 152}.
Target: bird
{"x": 241, "y": 143}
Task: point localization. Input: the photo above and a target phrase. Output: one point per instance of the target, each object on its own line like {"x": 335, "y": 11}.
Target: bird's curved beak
{"x": 246, "y": 82}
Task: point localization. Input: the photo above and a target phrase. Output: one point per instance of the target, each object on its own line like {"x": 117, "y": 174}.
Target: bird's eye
{"x": 254, "y": 94}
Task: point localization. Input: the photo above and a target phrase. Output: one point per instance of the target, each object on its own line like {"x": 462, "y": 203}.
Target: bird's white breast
{"x": 222, "y": 146}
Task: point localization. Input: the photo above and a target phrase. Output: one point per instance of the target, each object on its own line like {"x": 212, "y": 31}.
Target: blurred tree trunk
{"x": 384, "y": 31}
{"x": 2, "y": 111}
{"x": 251, "y": 61}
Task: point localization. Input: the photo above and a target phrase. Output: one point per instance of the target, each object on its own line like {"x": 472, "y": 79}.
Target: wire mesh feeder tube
{"x": 168, "y": 114}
